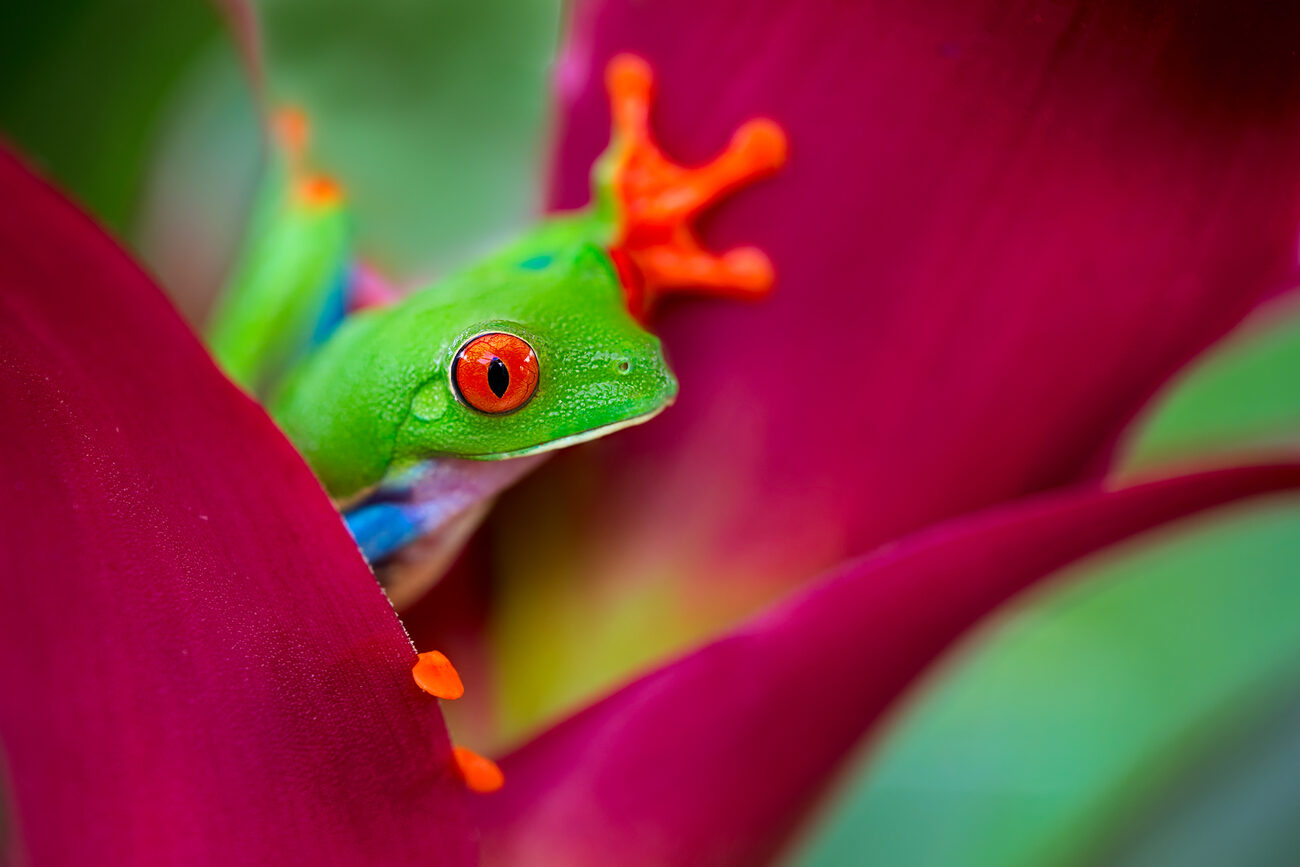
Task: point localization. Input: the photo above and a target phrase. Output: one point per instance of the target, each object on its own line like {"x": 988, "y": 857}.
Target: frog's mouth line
{"x": 572, "y": 439}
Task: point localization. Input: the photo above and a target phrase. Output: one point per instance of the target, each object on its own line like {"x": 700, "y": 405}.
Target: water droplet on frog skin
{"x": 430, "y": 402}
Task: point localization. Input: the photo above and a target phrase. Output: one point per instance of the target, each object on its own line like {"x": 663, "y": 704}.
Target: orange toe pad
{"x": 480, "y": 774}
{"x": 435, "y": 674}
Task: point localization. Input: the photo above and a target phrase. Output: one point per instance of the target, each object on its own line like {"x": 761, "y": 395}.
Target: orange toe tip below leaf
{"x": 435, "y": 674}
{"x": 481, "y": 775}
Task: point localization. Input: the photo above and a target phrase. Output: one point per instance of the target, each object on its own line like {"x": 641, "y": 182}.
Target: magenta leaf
{"x": 712, "y": 759}
{"x": 196, "y": 667}
{"x": 1001, "y": 227}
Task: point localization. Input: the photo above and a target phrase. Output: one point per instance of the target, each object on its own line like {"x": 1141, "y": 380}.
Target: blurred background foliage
{"x": 434, "y": 115}
{"x": 1096, "y": 722}
{"x": 83, "y": 84}
{"x": 1239, "y": 398}
{"x": 1142, "y": 708}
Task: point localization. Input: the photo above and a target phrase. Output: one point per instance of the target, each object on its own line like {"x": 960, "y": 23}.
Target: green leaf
{"x": 1067, "y": 723}
{"x": 431, "y": 112}
{"x": 82, "y": 83}
{"x": 1240, "y": 811}
{"x": 1241, "y": 396}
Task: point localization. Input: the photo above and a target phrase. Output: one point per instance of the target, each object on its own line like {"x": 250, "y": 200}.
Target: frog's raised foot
{"x": 655, "y": 247}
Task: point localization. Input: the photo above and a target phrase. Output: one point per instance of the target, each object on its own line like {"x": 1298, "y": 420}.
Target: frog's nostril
{"x": 624, "y": 366}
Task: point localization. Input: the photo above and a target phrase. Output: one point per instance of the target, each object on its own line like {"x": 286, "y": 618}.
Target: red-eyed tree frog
{"x": 414, "y": 414}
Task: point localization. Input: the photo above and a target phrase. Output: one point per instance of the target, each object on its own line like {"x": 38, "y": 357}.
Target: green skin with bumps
{"x": 378, "y": 397}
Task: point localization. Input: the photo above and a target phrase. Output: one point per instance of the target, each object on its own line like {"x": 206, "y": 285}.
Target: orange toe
{"x": 481, "y": 775}
{"x": 435, "y": 674}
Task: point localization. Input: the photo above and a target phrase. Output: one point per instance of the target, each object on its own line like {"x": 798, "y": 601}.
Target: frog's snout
{"x": 636, "y": 378}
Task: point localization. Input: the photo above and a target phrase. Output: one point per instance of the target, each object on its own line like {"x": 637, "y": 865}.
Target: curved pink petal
{"x": 710, "y": 760}
{"x": 1002, "y": 225}
{"x": 196, "y": 667}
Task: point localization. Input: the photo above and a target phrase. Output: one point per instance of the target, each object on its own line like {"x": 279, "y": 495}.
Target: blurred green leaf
{"x": 1240, "y": 396}
{"x": 1065, "y": 725}
{"x": 81, "y": 85}
{"x": 1240, "y": 811}
{"x": 431, "y": 112}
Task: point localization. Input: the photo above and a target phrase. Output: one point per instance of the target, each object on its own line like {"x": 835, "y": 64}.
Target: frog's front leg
{"x": 287, "y": 292}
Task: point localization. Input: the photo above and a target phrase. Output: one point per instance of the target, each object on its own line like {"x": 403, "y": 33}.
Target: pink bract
{"x": 196, "y": 666}
{"x": 1002, "y": 226}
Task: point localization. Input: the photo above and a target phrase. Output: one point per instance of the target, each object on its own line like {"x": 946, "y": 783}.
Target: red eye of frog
{"x": 495, "y": 372}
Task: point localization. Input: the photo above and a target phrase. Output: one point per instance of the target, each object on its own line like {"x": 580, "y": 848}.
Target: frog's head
{"x": 542, "y": 354}
{"x": 530, "y": 351}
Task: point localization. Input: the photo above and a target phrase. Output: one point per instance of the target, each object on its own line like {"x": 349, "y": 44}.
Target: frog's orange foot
{"x": 291, "y": 131}
{"x": 434, "y": 673}
{"x": 481, "y": 775}
{"x": 656, "y": 247}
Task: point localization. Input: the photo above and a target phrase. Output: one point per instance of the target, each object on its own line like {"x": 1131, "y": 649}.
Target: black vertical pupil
{"x": 498, "y": 377}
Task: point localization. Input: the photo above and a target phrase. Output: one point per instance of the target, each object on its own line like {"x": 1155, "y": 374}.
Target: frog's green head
{"x": 544, "y": 355}
{"x": 530, "y": 351}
